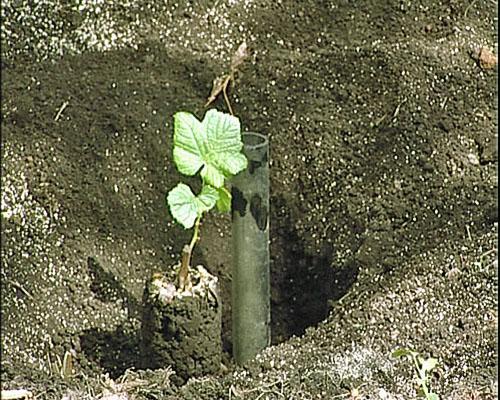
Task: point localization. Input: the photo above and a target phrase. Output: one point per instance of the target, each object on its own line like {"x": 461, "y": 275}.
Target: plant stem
{"x": 423, "y": 382}
{"x": 422, "y": 375}
{"x": 187, "y": 251}
{"x": 196, "y": 234}
{"x": 224, "y": 89}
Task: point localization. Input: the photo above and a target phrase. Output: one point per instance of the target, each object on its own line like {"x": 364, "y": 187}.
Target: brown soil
{"x": 382, "y": 122}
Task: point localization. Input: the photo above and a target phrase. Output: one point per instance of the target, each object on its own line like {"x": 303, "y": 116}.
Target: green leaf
{"x": 212, "y": 146}
{"x": 181, "y": 202}
{"x": 207, "y": 199}
{"x": 432, "y": 396}
{"x": 186, "y": 207}
{"x": 429, "y": 364}
{"x": 398, "y": 353}
{"x": 224, "y": 202}
{"x": 188, "y": 142}
{"x": 421, "y": 381}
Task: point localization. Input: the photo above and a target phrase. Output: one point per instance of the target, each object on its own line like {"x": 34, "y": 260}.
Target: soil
{"x": 382, "y": 120}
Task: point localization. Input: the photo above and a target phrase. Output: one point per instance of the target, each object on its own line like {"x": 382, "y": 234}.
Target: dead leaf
{"x": 217, "y": 87}
{"x": 239, "y": 57}
{"x": 220, "y": 84}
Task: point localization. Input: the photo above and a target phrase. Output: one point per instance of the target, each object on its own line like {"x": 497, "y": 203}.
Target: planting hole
{"x": 302, "y": 284}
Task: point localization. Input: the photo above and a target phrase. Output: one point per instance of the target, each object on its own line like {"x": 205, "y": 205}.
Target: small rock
{"x": 473, "y": 159}
{"x": 488, "y": 152}
{"x": 484, "y": 57}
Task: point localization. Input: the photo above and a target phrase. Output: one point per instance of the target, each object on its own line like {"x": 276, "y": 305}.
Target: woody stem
{"x": 187, "y": 251}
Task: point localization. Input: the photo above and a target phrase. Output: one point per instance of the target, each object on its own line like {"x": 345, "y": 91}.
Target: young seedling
{"x": 221, "y": 83}
{"x": 212, "y": 149}
{"x": 422, "y": 367}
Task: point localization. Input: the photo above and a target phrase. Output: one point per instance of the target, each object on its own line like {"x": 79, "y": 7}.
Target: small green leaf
{"x": 432, "y": 396}
{"x": 212, "y": 175}
{"x": 398, "y": 353}
{"x": 186, "y": 207}
{"x": 212, "y": 146}
{"x": 224, "y": 202}
{"x": 182, "y": 204}
{"x": 421, "y": 381}
{"x": 207, "y": 198}
{"x": 429, "y": 364}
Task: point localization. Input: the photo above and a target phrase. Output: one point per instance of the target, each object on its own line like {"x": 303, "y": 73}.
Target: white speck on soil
{"x": 50, "y": 28}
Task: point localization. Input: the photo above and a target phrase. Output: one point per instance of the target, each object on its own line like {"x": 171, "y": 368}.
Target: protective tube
{"x": 251, "y": 311}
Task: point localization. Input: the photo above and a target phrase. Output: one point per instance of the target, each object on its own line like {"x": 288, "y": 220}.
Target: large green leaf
{"x": 188, "y": 140}
{"x": 186, "y": 207}
{"x": 212, "y": 146}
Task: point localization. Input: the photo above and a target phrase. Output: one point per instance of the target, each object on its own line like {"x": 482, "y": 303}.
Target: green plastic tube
{"x": 251, "y": 310}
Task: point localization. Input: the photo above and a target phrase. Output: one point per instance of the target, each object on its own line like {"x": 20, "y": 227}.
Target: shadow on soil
{"x": 114, "y": 351}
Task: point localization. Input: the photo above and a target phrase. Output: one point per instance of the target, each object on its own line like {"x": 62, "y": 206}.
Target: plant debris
{"x": 221, "y": 83}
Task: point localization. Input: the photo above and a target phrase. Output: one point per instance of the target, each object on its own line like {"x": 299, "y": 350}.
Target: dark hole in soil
{"x": 303, "y": 290}
{"x": 302, "y": 284}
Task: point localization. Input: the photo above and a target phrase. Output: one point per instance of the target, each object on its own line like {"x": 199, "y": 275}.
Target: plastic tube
{"x": 251, "y": 311}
